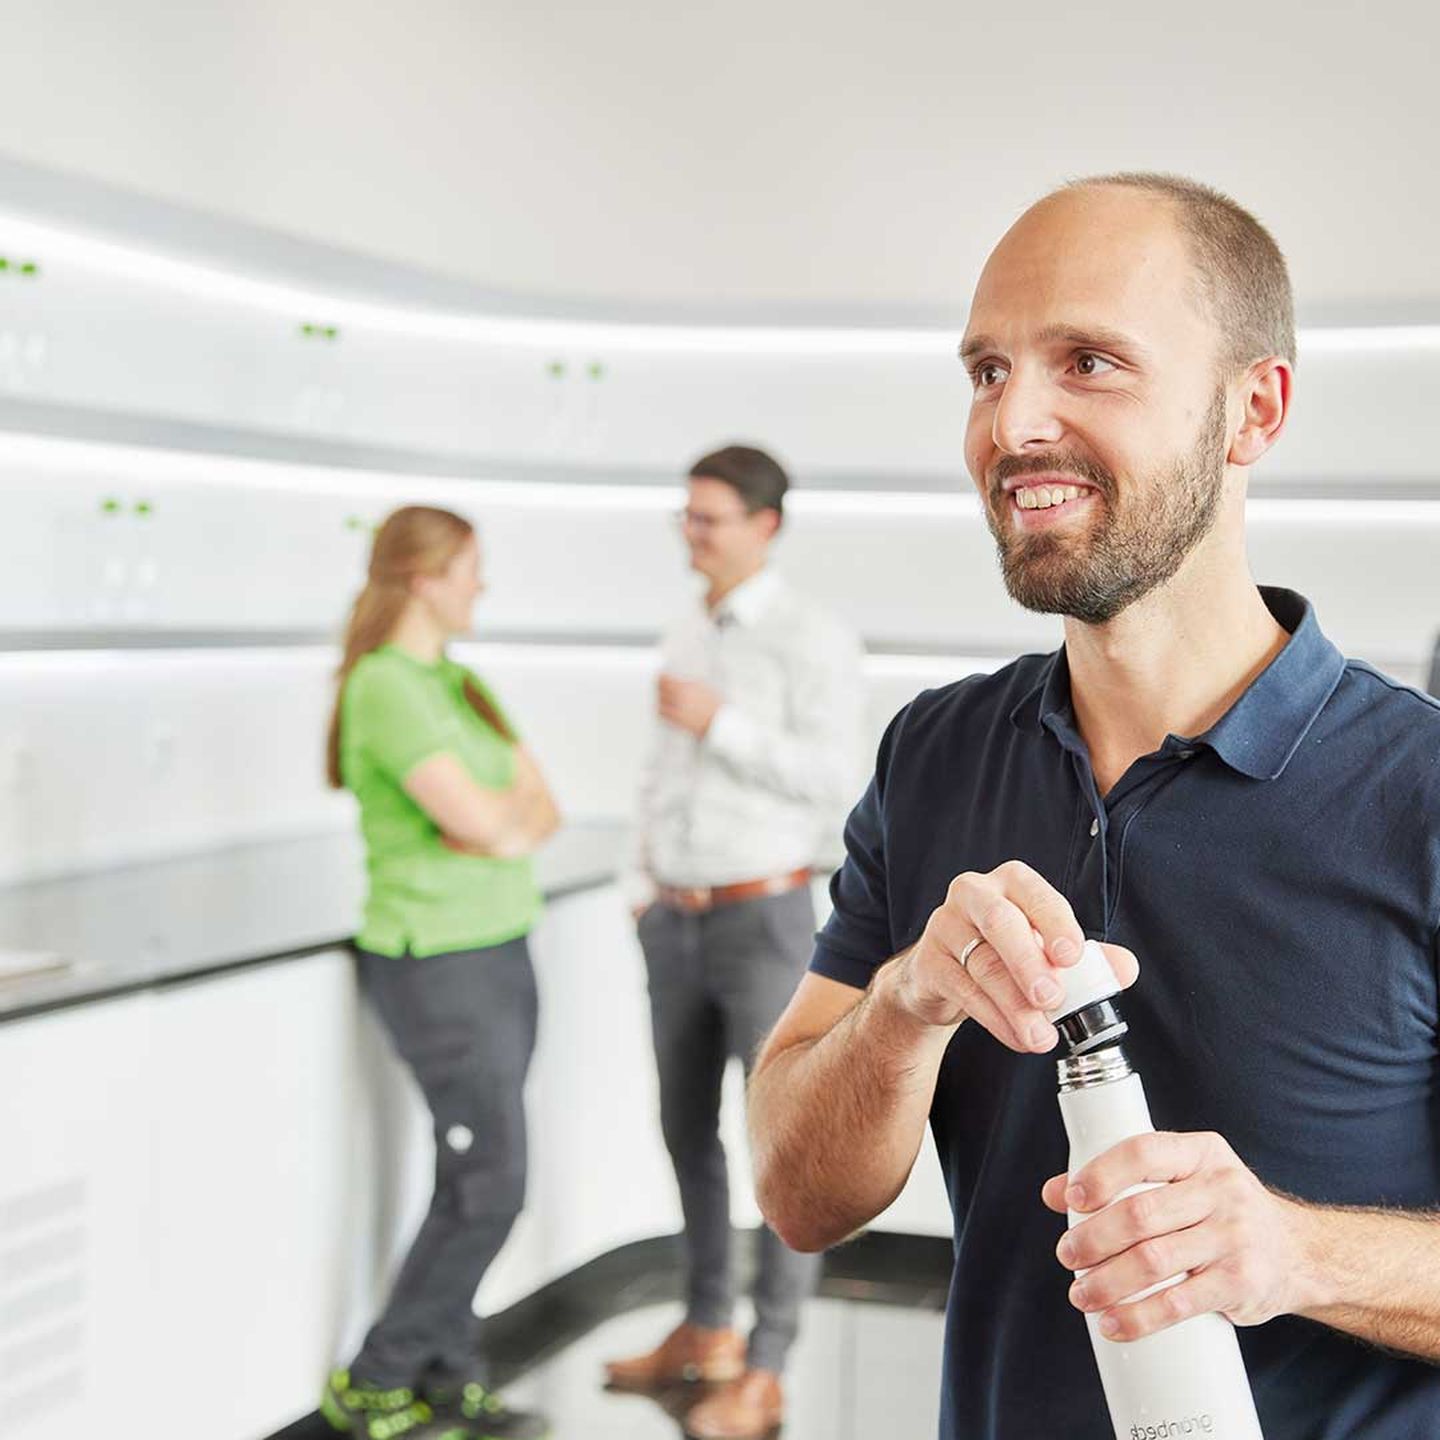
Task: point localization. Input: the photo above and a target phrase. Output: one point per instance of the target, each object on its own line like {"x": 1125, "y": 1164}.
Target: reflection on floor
{"x": 857, "y": 1370}
{"x": 867, "y": 1363}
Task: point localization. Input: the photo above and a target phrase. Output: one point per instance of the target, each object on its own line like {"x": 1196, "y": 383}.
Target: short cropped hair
{"x": 756, "y": 476}
{"x": 1240, "y": 268}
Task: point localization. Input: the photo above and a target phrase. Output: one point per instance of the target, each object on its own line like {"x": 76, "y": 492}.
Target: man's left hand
{"x": 1244, "y": 1247}
{"x": 688, "y": 704}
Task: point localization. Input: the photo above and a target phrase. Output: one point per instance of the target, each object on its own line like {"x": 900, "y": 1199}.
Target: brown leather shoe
{"x": 688, "y": 1352}
{"x": 745, "y": 1409}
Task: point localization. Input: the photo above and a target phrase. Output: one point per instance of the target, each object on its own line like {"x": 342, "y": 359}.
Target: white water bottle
{"x": 1189, "y": 1379}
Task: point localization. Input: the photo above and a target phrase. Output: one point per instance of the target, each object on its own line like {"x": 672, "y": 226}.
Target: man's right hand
{"x": 1028, "y": 934}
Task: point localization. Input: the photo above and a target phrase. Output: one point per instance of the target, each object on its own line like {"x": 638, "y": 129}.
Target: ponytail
{"x": 415, "y": 540}
{"x": 373, "y": 618}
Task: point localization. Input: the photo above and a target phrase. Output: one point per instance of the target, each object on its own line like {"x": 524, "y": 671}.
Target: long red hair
{"x": 415, "y": 540}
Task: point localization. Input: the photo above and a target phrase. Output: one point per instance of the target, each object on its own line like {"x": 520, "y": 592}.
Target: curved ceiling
{"x": 790, "y": 157}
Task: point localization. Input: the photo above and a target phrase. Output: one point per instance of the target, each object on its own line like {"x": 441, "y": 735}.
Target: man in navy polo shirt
{"x": 1198, "y": 778}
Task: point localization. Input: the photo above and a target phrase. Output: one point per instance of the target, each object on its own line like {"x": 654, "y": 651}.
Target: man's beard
{"x": 1126, "y": 553}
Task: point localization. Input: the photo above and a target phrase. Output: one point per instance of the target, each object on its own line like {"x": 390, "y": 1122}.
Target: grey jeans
{"x": 718, "y": 982}
{"x": 465, "y": 1024}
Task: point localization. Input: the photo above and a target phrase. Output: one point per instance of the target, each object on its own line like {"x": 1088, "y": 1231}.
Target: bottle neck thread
{"x": 1095, "y": 1067}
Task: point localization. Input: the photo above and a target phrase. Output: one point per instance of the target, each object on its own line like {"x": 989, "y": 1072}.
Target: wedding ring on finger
{"x": 970, "y": 947}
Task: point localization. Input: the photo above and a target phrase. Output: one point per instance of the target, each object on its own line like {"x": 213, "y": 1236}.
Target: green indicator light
{"x": 595, "y": 370}
{"x": 30, "y": 268}
{"x": 4, "y": 264}
{"x": 144, "y": 508}
{"x": 354, "y": 522}
{"x": 332, "y": 332}
{"x": 307, "y": 330}
{"x": 110, "y": 506}
{"x": 556, "y": 369}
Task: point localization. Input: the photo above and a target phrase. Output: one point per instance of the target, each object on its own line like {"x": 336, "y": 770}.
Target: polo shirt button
{"x": 1094, "y": 828}
{"x": 1185, "y": 754}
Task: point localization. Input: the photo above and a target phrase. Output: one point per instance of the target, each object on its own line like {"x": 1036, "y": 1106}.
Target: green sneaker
{"x": 485, "y": 1415}
{"x": 355, "y": 1408}
{"x": 415, "y": 1422}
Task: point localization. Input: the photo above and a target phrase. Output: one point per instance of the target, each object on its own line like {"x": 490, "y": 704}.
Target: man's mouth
{"x": 1050, "y": 492}
{"x": 1043, "y": 497}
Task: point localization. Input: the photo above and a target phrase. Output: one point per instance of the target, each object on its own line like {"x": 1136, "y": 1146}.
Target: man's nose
{"x": 1027, "y": 414}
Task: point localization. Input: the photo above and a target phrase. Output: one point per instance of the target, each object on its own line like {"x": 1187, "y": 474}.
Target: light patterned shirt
{"x": 767, "y": 789}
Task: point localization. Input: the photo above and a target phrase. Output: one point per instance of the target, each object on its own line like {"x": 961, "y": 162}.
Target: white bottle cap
{"x": 1088, "y": 980}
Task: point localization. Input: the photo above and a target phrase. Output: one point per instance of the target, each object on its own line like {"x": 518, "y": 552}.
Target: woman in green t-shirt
{"x": 452, "y": 807}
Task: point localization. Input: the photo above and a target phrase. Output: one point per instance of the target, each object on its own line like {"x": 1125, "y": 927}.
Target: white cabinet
{"x": 251, "y": 1100}
{"x": 176, "y": 1189}
{"x": 75, "y": 1272}
{"x": 221, "y": 1174}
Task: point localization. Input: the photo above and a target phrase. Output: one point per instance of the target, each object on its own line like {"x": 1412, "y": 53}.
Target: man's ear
{"x": 1265, "y": 395}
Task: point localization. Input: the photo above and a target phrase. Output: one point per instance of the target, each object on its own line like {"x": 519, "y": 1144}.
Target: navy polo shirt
{"x": 1279, "y": 879}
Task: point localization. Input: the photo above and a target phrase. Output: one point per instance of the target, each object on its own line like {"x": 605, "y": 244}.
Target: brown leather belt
{"x": 695, "y": 900}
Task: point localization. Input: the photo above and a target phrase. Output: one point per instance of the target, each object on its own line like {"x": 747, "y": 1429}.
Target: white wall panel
{"x": 107, "y": 756}
{"x": 114, "y": 756}
{"x": 1373, "y": 572}
{"x": 225, "y": 544}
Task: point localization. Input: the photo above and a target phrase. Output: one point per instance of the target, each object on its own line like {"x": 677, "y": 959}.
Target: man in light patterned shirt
{"x": 760, "y": 702}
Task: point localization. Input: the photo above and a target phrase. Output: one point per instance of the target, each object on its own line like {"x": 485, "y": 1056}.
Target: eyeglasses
{"x": 700, "y": 522}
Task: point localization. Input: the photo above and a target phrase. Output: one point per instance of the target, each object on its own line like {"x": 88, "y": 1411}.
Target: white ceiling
{"x": 789, "y": 156}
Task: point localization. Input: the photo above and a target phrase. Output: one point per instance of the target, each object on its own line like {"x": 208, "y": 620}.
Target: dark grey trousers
{"x": 718, "y": 982}
{"x": 464, "y": 1022}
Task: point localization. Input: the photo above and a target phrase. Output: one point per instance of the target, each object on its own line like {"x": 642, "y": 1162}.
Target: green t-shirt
{"x": 424, "y": 898}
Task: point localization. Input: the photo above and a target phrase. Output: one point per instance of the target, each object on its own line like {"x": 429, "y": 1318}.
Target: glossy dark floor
{"x": 858, "y": 1370}
{"x": 867, "y": 1363}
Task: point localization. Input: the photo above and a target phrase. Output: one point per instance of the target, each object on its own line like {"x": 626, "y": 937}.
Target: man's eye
{"x": 1088, "y": 363}
{"x": 987, "y": 373}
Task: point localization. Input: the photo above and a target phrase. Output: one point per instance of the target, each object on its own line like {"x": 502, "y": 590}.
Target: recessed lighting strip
{"x": 204, "y": 282}
{"x": 198, "y": 280}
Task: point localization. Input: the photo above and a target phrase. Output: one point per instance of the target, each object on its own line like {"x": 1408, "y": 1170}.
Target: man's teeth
{"x": 1042, "y": 497}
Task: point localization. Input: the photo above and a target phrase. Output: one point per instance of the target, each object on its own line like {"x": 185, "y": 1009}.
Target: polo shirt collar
{"x": 749, "y": 600}
{"x": 1259, "y": 733}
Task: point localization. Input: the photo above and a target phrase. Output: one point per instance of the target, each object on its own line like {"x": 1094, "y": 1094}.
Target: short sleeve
{"x": 398, "y": 720}
{"x": 856, "y": 939}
